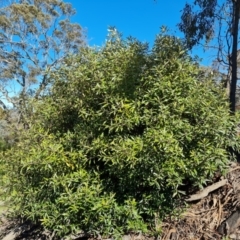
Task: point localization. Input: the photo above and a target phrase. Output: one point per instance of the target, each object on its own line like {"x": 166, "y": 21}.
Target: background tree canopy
{"x": 123, "y": 129}
{"x": 35, "y": 37}
{"x": 218, "y": 20}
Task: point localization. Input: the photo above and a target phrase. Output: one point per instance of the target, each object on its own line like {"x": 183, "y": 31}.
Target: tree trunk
{"x": 233, "y": 60}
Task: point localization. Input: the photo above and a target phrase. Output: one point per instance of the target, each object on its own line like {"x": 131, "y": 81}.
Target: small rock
{"x": 11, "y": 236}
{"x": 126, "y": 237}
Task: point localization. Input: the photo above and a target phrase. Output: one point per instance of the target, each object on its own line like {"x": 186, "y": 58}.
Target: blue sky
{"x": 139, "y": 18}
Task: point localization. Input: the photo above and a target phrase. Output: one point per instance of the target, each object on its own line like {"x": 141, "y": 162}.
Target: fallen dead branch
{"x": 204, "y": 193}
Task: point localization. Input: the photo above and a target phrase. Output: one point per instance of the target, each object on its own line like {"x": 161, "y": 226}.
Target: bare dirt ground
{"x": 213, "y": 214}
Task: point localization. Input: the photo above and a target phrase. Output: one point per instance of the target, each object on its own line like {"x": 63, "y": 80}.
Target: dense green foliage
{"x": 121, "y": 131}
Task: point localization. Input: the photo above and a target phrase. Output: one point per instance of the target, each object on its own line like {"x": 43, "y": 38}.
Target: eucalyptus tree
{"x": 35, "y": 37}
{"x": 212, "y": 21}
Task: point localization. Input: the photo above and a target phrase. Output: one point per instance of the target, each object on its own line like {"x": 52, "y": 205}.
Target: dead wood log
{"x": 204, "y": 193}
